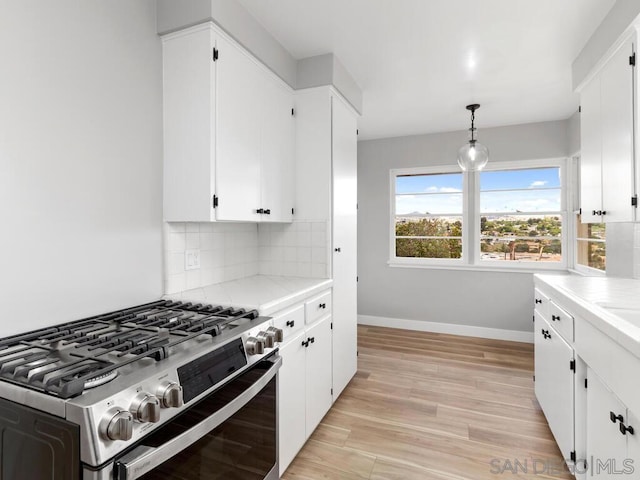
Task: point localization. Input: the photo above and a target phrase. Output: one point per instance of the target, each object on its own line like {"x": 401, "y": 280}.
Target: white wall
{"x": 620, "y": 17}
{"x": 237, "y": 22}
{"x": 80, "y": 159}
{"x": 479, "y": 299}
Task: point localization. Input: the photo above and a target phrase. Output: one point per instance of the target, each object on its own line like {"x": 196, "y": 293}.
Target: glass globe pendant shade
{"x": 473, "y": 156}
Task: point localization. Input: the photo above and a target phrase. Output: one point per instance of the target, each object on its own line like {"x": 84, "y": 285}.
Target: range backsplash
{"x": 229, "y": 251}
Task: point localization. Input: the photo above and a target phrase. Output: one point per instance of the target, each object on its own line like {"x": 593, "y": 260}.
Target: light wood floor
{"x": 433, "y": 406}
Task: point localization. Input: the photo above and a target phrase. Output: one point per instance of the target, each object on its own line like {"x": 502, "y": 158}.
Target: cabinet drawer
{"x": 290, "y": 321}
{"x": 317, "y": 307}
{"x": 561, "y": 320}
{"x": 541, "y": 304}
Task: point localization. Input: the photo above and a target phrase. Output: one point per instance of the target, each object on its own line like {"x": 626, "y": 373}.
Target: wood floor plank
{"x": 433, "y": 406}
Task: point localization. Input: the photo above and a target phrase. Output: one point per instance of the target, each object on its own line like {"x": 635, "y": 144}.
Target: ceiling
{"x": 419, "y": 62}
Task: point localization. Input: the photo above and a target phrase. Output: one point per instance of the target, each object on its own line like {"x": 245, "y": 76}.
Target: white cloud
{"x": 538, "y": 183}
{"x": 434, "y": 189}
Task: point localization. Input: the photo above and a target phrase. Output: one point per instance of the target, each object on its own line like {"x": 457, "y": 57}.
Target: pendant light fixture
{"x": 473, "y": 156}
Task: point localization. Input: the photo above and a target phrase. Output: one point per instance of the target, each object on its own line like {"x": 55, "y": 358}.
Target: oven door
{"x": 230, "y": 434}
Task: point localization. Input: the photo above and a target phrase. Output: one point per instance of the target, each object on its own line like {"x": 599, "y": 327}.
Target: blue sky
{"x": 442, "y": 194}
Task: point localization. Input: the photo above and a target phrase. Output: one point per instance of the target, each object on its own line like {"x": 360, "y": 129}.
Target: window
{"x": 590, "y": 245}
{"x": 521, "y": 215}
{"x": 428, "y": 215}
{"x": 511, "y": 215}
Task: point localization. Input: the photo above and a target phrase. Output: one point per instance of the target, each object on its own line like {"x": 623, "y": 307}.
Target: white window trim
{"x": 471, "y": 217}
{"x": 412, "y": 261}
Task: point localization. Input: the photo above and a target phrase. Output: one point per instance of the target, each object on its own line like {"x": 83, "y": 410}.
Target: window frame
{"x": 415, "y": 261}
{"x": 471, "y": 218}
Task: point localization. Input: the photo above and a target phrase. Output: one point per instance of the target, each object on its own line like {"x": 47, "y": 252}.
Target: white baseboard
{"x": 450, "y": 328}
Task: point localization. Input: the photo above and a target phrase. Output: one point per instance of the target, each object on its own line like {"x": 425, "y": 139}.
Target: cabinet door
{"x": 344, "y": 265}
{"x": 590, "y": 152}
{"x": 188, "y": 128}
{"x": 633, "y": 442}
{"x": 278, "y": 153}
{"x": 554, "y": 383}
{"x": 318, "y": 380}
{"x": 239, "y": 96}
{"x": 606, "y": 446}
{"x": 616, "y": 87}
{"x": 291, "y": 400}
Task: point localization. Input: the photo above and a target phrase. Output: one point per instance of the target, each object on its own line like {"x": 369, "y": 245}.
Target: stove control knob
{"x": 254, "y": 346}
{"x": 278, "y": 336}
{"x": 118, "y": 425}
{"x": 267, "y": 338}
{"x": 170, "y": 395}
{"x": 145, "y": 408}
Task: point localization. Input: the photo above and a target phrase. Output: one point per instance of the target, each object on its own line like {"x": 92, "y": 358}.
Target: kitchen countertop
{"x": 265, "y": 293}
{"x": 611, "y": 304}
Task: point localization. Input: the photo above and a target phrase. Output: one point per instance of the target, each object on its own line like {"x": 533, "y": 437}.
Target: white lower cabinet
{"x": 554, "y": 386}
{"x": 305, "y": 378}
{"x": 613, "y": 447}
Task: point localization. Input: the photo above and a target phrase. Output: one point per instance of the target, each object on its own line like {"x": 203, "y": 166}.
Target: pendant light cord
{"x": 473, "y": 118}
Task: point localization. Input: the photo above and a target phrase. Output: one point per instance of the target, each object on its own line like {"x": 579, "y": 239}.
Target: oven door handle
{"x": 143, "y": 459}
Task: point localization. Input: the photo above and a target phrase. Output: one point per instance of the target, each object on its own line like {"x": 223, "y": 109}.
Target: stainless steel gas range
{"x": 167, "y": 390}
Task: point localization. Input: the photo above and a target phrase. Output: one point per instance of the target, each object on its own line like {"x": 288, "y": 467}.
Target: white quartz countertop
{"x": 611, "y": 304}
{"x": 265, "y": 293}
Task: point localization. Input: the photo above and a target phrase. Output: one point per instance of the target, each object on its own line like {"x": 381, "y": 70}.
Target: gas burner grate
{"x": 66, "y": 359}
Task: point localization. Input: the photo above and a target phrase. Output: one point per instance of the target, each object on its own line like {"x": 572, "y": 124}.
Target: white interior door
{"x": 344, "y": 232}
{"x": 239, "y": 103}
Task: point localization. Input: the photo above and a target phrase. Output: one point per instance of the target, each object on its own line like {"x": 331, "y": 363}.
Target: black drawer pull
{"x": 555, "y": 318}
{"x": 616, "y": 418}
{"x": 290, "y": 323}
{"x": 538, "y": 300}
{"x": 322, "y": 305}
{"x": 311, "y": 339}
{"x": 624, "y": 429}
{"x": 305, "y": 343}
{"x": 267, "y": 211}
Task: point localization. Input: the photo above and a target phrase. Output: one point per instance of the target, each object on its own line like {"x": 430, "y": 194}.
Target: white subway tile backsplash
{"x": 319, "y": 255}
{"x": 192, "y": 227}
{"x": 193, "y": 240}
{"x": 318, "y": 239}
{"x": 304, "y": 254}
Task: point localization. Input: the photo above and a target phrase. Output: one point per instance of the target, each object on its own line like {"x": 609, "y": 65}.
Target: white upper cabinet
{"x": 607, "y": 141}
{"x": 229, "y": 132}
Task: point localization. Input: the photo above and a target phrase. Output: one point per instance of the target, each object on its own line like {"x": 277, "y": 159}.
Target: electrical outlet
{"x": 192, "y": 259}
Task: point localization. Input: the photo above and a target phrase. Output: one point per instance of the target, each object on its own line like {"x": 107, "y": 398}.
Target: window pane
{"x": 521, "y": 179}
{"x": 428, "y": 248}
{"x": 429, "y": 227}
{"x": 591, "y": 254}
{"x": 522, "y": 238}
{"x": 521, "y": 250}
{"x": 415, "y": 205}
{"x": 436, "y": 183}
{"x": 521, "y": 201}
{"x": 590, "y": 244}
{"x": 591, "y": 230}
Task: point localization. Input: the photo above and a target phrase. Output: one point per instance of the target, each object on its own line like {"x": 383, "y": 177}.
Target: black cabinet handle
{"x": 545, "y": 333}
{"x": 305, "y": 343}
{"x": 311, "y": 339}
{"x": 290, "y": 323}
{"x": 267, "y": 211}
{"x": 555, "y": 318}
{"x": 624, "y": 429}
{"x": 322, "y": 305}
{"x": 337, "y": 249}
{"x": 616, "y": 418}
{"x": 260, "y": 211}
{"x": 538, "y": 300}
{"x": 594, "y": 213}
{"x": 604, "y": 212}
